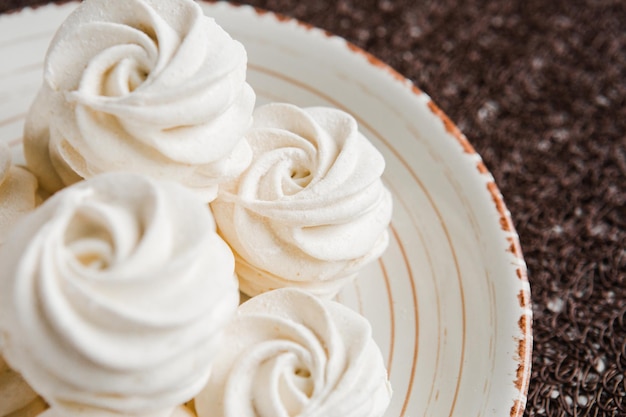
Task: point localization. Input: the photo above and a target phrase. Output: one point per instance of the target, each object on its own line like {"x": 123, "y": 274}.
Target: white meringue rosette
{"x": 151, "y": 86}
{"x": 18, "y": 192}
{"x": 113, "y": 296}
{"x": 179, "y": 411}
{"x": 289, "y": 353}
{"x": 311, "y": 210}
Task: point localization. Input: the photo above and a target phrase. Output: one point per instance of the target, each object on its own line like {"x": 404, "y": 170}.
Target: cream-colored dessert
{"x": 18, "y": 192}
{"x": 18, "y": 196}
{"x": 113, "y": 296}
{"x": 288, "y": 353}
{"x": 179, "y": 411}
{"x": 15, "y": 394}
{"x": 152, "y": 86}
{"x": 311, "y": 210}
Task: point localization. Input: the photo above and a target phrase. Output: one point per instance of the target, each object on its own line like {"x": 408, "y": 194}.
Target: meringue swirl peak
{"x": 152, "y": 86}
{"x": 289, "y": 353}
{"x": 311, "y": 209}
{"x": 114, "y": 294}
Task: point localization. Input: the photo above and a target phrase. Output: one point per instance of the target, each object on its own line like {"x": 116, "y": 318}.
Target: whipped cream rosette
{"x": 179, "y": 411}
{"x": 289, "y": 353}
{"x": 18, "y": 192}
{"x": 113, "y": 296}
{"x": 151, "y": 86}
{"x": 311, "y": 210}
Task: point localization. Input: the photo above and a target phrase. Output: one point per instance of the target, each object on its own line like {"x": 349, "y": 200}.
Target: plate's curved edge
{"x": 525, "y": 338}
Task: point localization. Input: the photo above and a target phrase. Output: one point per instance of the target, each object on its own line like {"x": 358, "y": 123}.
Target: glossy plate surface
{"x": 449, "y": 302}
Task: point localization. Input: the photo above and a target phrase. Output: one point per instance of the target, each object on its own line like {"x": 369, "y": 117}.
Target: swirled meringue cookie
{"x": 289, "y": 353}
{"x": 18, "y": 192}
{"x": 114, "y": 294}
{"x": 152, "y": 86}
{"x": 16, "y": 397}
{"x": 179, "y": 411}
{"x": 311, "y": 210}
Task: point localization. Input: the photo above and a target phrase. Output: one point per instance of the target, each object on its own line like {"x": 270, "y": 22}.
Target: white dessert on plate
{"x": 152, "y": 86}
{"x": 18, "y": 192}
{"x": 289, "y": 353}
{"x": 115, "y": 292}
{"x": 113, "y": 296}
{"x": 18, "y": 197}
{"x": 311, "y": 210}
{"x": 179, "y": 411}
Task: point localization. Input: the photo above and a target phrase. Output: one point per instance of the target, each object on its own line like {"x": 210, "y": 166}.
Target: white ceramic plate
{"x": 449, "y": 301}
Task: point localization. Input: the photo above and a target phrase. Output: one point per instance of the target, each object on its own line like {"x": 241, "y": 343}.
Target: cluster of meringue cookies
{"x": 153, "y": 193}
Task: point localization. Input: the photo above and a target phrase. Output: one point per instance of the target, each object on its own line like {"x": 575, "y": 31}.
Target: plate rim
{"x": 509, "y": 233}
{"x": 524, "y": 349}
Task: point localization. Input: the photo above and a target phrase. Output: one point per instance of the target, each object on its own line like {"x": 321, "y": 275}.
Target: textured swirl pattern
{"x": 152, "y": 86}
{"x": 114, "y": 293}
{"x": 179, "y": 411}
{"x": 288, "y": 353}
{"x": 18, "y": 192}
{"x": 311, "y": 209}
